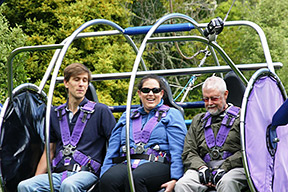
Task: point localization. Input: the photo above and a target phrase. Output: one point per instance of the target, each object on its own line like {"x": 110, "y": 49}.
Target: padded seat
{"x": 235, "y": 87}
{"x": 168, "y": 100}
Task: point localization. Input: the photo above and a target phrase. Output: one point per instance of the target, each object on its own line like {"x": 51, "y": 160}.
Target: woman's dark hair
{"x": 157, "y": 78}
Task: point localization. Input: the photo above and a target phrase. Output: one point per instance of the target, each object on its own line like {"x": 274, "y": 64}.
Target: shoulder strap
{"x": 227, "y": 122}
{"x": 143, "y": 135}
{"x": 231, "y": 114}
{"x": 61, "y": 111}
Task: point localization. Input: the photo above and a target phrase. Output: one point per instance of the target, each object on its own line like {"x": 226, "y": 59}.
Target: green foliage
{"x": 51, "y": 21}
{"x": 271, "y": 16}
{"x": 11, "y": 38}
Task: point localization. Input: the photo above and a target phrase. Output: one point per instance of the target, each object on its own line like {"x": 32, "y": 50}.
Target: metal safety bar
{"x": 148, "y": 39}
{"x": 63, "y": 47}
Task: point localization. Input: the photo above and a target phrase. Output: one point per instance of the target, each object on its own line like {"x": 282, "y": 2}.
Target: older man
{"x": 212, "y": 148}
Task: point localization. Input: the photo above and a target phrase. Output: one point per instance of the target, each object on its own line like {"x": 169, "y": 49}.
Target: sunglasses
{"x": 147, "y": 90}
{"x": 206, "y": 99}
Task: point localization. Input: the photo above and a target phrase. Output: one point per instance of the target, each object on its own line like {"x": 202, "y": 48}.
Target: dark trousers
{"x": 147, "y": 177}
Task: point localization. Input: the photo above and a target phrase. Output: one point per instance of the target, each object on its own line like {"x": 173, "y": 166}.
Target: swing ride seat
{"x": 9, "y": 182}
{"x": 235, "y": 87}
{"x": 22, "y": 135}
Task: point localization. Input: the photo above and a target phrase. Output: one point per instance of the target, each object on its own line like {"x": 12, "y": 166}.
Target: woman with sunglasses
{"x": 157, "y": 134}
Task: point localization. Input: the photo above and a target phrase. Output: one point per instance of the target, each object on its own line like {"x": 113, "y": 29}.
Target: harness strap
{"x": 227, "y": 122}
{"x": 83, "y": 117}
{"x": 216, "y": 144}
{"x": 143, "y": 135}
{"x": 80, "y": 158}
{"x": 70, "y": 142}
{"x": 150, "y": 154}
{"x": 225, "y": 154}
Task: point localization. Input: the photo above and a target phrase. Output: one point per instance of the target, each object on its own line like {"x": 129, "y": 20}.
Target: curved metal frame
{"x": 63, "y": 47}
{"x": 55, "y": 63}
{"x": 137, "y": 61}
{"x": 255, "y": 76}
{"x": 62, "y": 53}
{"x": 58, "y": 48}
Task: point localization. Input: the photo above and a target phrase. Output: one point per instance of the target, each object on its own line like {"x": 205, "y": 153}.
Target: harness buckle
{"x": 76, "y": 167}
{"x": 139, "y": 148}
{"x": 68, "y": 150}
{"x": 87, "y": 111}
{"x": 67, "y": 161}
{"x": 215, "y": 153}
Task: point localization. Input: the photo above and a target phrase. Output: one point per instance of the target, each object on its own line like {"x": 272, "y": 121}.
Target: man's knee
{"x": 67, "y": 185}
{"x": 22, "y": 186}
{"x": 225, "y": 182}
{"x": 181, "y": 185}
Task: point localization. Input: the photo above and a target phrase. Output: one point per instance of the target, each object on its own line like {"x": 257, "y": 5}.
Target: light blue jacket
{"x": 169, "y": 134}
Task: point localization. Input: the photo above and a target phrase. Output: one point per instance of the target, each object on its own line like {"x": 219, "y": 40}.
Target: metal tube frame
{"x": 259, "y": 73}
{"x": 56, "y": 61}
{"x": 148, "y": 39}
{"x": 62, "y": 49}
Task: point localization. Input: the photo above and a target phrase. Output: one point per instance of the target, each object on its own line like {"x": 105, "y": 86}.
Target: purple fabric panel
{"x": 209, "y": 136}
{"x": 137, "y": 133}
{"x": 281, "y": 161}
{"x": 65, "y": 133}
{"x": 57, "y": 159}
{"x": 263, "y": 102}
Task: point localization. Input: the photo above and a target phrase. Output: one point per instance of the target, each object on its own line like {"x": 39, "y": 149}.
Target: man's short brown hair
{"x": 76, "y": 69}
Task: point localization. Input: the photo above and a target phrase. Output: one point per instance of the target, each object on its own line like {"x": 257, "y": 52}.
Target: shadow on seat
{"x": 235, "y": 87}
{"x": 168, "y": 100}
{"x": 91, "y": 93}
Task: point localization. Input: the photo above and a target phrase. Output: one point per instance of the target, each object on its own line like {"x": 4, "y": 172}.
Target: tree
{"x": 275, "y": 27}
{"x": 11, "y": 38}
{"x": 51, "y": 21}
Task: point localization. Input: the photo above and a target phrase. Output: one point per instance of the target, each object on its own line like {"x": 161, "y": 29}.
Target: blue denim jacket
{"x": 169, "y": 134}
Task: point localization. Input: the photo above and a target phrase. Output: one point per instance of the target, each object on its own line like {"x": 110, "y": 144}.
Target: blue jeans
{"x": 75, "y": 181}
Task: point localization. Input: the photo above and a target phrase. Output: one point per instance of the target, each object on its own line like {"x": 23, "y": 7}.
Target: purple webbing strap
{"x": 143, "y": 135}
{"x": 81, "y": 122}
{"x": 227, "y": 122}
{"x": 79, "y": 126}
{"x": 88, "y": 108}
{"x": 226, "y": 154}
{"x": 64, "y": 128}
{"x": 57, "y": 159}
{"x": 83, "y": 160}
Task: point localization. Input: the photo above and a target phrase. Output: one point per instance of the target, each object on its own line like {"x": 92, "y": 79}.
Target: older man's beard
{"x": 214, "y": 111}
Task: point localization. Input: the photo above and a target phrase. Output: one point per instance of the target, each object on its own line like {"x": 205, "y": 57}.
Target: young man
{"x": 212, "y": 148}
{"x": 79, "y": 130}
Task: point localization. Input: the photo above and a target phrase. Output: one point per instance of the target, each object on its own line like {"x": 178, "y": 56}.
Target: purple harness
{"x": 141, "y": 136}
{"x": 70, "y": 142}
{"x": 215, "y": 145}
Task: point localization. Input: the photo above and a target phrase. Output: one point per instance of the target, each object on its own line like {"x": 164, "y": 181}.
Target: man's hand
{"x": 204, "y": 174}
{"x": 217, "y": 175}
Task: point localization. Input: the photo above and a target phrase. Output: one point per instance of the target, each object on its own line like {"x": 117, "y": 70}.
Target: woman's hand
{"x": 169, "y": 186}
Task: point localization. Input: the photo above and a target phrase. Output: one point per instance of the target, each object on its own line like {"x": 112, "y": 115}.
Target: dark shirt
{"x": 95, "y": 135}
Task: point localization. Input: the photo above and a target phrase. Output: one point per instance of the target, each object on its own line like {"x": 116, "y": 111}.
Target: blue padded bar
{"x": 188, "y": 122}
{"x": 189, "y": 105}
{"x": 161, "y": 29}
